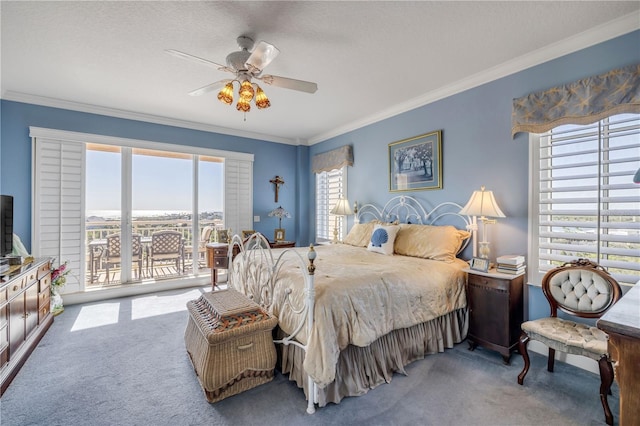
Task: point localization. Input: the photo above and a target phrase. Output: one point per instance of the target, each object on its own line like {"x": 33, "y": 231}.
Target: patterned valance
{"x": 334, "y": 159}
{"x": 582, "y": 102}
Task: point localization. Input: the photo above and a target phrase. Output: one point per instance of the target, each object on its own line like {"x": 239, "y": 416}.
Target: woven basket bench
{"x": 229, "y": 341}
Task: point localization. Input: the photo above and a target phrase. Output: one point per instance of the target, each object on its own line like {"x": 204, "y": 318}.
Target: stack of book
{"x": 510, "y": 264}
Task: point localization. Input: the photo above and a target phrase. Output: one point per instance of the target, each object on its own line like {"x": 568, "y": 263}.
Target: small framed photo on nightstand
{"x": 479, "y": 264}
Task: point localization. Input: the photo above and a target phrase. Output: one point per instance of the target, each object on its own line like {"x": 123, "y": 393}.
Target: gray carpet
{"x": 123, "y": 362}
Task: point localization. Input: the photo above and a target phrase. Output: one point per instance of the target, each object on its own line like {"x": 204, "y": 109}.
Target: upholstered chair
{"x": 581, "y": 289}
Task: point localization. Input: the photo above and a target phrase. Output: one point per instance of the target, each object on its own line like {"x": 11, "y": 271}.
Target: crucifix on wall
{"x": 277, "y": 182}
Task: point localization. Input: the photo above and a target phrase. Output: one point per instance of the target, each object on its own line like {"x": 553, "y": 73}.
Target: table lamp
{"x": 482, "y": 203}
{"x": 341, "y": 208}
{"x": 279, "y": 213}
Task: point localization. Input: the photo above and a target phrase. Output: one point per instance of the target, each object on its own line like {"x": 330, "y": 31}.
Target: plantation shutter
{"x": 238, "y": 195}
{"x": 330, "y": 187}
{"x": 58, "y": 206}
{"x": 589, "y": 206}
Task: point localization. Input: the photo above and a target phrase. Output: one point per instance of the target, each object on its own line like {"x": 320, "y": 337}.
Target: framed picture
{"x": 222, "y": 235}
{"x": 479, "y": 264}
{"x": 278, "y": 234}
{"x": 416, "y": 163}
{"x": 247, "y": 233}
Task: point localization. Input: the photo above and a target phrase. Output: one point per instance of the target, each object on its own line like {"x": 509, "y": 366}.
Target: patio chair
{"x": 166, "y": 246}
{"x": 201, "y": 252}
{"x": 582, "y": 289}
{"x": 112, "y": 255}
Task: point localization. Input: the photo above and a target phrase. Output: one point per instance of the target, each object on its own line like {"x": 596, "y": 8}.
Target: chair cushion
{"x": 568, "y": 336}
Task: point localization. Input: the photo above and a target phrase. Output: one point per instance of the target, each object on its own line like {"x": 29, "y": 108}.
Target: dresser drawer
{"x": 43, "y": 312}
{"x": 44, "y": 270}
{"x": 16, "y": 286}
{"x": 220, "y": 252}
{"x": 3, "y": 295}
{"x": 44, "y": 299}
{"x": 45, "y": 282}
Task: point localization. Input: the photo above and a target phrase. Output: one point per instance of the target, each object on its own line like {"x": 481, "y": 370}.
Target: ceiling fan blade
{"x": 209, "y": 88}
{"x": 198, "y": 60}
{"x": 261, "y": 56}
{"x": 290, "y": 83}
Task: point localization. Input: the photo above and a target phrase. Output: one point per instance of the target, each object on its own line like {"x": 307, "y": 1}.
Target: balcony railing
{"x": 99, "y": 230}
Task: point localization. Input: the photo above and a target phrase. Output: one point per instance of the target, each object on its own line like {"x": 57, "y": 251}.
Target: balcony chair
{"x": 165, "y": 246}
{"x": 581, "y": 289}
{"x": 112, "y": 253}
{"x": 201, "y": 253}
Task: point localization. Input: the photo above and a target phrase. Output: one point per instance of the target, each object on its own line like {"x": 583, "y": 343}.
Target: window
{"x": 330, "y": 186}
{"x": 137, "y": 187}
{"x": 584, "y": 203}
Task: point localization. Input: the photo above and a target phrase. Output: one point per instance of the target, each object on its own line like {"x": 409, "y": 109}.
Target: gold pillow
{"x": 359, "y": 235}
{"x": 430, "y": 242}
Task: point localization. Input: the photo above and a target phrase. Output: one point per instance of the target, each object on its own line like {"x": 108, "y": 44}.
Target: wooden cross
{"x": 277, "y": 181}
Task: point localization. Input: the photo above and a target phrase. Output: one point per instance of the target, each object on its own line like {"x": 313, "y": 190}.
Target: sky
{"x": 159, "y": 183}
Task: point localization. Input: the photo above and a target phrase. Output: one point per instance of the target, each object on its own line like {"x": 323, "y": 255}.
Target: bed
{"x": 352, "y": 314}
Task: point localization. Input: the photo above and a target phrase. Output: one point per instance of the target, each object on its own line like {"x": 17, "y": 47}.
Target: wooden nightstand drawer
{"x": 489, "y": 282}
{"x": 221, "y": 262}
{"x": 44, "y": 270}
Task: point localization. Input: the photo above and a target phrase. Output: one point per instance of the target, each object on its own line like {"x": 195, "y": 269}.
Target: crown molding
{"x": 148, "y": 118}
{"x": 593, "y": 36}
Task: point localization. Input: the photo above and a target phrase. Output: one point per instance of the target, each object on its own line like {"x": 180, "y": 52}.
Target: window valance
{"x": 334, "y": 159}
{"x": 582, "y": 102}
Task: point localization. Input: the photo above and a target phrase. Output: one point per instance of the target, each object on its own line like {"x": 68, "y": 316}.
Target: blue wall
{"x": 477, "y": 150}
{"x": 270, "y": 159}
{"x": 477, "y": 145}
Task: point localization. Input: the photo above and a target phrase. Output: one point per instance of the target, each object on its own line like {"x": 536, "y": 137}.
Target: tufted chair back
{"x": 581, "y": 288}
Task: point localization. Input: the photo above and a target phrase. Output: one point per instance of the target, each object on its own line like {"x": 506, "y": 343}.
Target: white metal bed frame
{"x": 253, "y": 271}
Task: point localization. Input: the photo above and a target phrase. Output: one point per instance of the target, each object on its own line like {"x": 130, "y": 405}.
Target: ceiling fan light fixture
{"x": 246, "y": 90}
{"x": 261, "y": 100}
{"x": 226, "y": 94}
{"x": 243, "y": 105}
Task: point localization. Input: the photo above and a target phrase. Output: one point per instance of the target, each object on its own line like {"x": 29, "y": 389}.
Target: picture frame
{"x": 278, "y": 234}
{"x": 416, "y": 163}
{"x": 222, "y": 236}
{"x": 247, "y": 233}
{"x": 479, "y": 264}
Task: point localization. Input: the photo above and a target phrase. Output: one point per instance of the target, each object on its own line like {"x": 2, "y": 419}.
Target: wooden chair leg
{"x": 522, "y": 348}
{"x": 552, "y": 358}
{"x": 606, "y": 380}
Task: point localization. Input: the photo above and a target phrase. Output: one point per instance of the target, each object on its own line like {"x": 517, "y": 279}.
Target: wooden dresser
{"x": 622, "y": 324}
{"x": 24, "y": 315}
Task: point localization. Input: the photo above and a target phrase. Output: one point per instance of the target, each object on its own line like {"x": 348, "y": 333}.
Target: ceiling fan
{"x": 246, "y": 64}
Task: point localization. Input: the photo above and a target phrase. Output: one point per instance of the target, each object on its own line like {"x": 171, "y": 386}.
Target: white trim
{"x": 148, "y": 118}
{"x": 598, "y": 34}
{"x": 533, "y": 275}
{"x": 67, "y": 136}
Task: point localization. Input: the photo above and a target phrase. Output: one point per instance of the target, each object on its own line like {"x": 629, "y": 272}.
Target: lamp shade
{"x": 482, "y": 203}
{"x": 342, "y": 208}
{"x": 279, "y": 213}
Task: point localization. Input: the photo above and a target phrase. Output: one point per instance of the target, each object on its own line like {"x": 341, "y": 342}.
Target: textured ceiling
{"x": 370, "y": 60}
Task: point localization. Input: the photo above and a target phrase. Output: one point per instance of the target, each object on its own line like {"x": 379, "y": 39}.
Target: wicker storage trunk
{"x": 229, "y": 341}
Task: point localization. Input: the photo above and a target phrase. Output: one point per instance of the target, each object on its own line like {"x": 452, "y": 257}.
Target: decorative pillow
{"x": 430, "y": 242}
{"x": 360, "y": 234}
{"x": 382, "y": 239}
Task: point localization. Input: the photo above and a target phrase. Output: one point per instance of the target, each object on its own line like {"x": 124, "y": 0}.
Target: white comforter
{"x": 361, "y": 296}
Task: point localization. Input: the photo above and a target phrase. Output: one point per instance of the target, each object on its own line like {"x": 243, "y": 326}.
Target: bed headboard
{"x": 406, "y": 209}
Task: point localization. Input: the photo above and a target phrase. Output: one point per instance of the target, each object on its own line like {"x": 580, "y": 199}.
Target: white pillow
{"x": 382, "y": 239}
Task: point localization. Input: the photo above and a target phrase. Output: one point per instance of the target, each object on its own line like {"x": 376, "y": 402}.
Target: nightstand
{"x": 282, "y": 244}
{"x": 217, "y": 259}
{"x": 495, "y": 310}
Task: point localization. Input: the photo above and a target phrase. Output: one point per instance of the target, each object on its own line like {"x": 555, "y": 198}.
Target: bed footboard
{"x": 254, "y": 272}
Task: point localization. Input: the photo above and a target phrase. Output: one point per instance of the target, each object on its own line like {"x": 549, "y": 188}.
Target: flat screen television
{"x": 6, "y": 225}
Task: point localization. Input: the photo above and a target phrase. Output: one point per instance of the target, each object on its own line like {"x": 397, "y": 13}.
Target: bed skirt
{"x": 362, "y": 368}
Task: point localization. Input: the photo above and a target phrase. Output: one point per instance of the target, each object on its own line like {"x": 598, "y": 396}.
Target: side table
{"x": 495, "y": 310}
{"x": 282, "y": 244}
